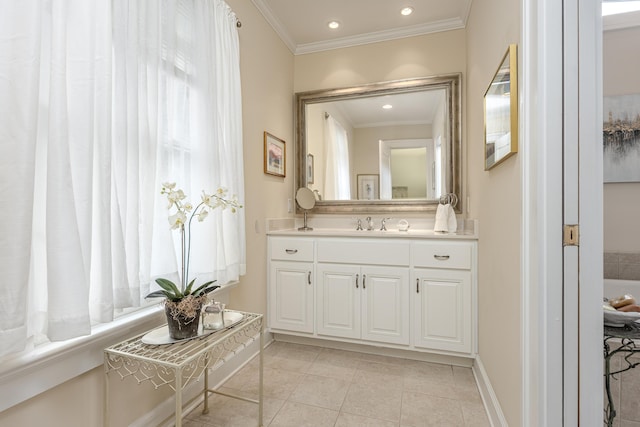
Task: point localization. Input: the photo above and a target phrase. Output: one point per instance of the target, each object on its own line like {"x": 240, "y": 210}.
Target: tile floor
{"x": 316, "y": 387}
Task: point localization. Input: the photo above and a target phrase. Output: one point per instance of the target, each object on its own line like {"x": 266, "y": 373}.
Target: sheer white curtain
{"x": 337, "y": 184}
{"x": 101, "y": 102}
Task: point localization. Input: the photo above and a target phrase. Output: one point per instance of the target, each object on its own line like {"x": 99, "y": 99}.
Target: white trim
{"x": 380, "y": 36}
{"x": 373, "y": 37}
{"x": 541, "y": 244}
{"x": 275, "y": 24}
{"x": 591, "y": 218}
{"x": 26, "y": 376}
{"x": 528, "y": 294}
{"x": 489, "y": 398}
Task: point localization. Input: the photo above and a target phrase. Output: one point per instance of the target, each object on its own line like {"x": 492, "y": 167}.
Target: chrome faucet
{"x": 369, "y": 223}
{"x": 359, "y": 227}
{"x": 383, "y": 227}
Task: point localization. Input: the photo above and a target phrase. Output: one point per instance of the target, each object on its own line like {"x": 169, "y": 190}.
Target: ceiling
{"x": 302, "y": 24}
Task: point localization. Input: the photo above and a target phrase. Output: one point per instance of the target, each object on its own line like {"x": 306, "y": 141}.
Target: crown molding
{"x": 275, "y": 24}
{"x": 380, "y": 36}
{"x": 374, "y": 37}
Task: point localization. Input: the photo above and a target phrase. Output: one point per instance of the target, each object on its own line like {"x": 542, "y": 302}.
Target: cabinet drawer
{"x": 442, "y": 255}
{"x": 372, "y": 252}
{"x": 291, "y": 249}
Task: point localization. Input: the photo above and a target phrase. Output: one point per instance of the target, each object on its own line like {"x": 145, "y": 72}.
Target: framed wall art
{"x": 621, "y": 138}
{"x": 310, "y": 171}
{"x": 501, "y": 112}
{"x": 275, "y": 155}
{"x": 368, "y": 187}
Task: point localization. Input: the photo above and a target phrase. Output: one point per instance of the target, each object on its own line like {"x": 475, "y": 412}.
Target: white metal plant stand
{"x": 178, "y": 364}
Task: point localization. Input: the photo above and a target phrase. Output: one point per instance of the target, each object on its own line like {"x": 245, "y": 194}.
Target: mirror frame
{"x": 450, "y": 82}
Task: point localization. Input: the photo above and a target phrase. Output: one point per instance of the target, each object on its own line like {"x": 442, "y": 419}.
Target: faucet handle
{"x": 359, "y": 227}
{"x": 383, "y": 226}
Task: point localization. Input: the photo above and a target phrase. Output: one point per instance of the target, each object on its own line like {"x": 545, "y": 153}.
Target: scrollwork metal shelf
{"x": 181, "y": 363}
{"x": 627, "y": 335}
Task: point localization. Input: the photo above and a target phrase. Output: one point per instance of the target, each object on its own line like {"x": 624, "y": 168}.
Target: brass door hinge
{"x": 571, "y": 235}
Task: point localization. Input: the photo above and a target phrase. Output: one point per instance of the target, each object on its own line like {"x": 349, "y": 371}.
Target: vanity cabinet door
{"x": 385, "y": 304}
{"x": 338, "y": 300}
{"x": 291, "y": 296}
{"x": 442, "y": 309}
{"x": 363, "y": 302}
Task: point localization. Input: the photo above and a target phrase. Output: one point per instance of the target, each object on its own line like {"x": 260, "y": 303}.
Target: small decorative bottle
{"x": 213, "y": 316}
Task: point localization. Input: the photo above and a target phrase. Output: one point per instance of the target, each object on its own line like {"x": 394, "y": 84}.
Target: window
{"x": 122, "y": 97}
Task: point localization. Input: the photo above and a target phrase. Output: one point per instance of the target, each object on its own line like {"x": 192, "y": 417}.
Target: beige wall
{"x": 496, "y": 200}
{"x": 419, "y": 56}
{"x": 267, "y": 88}
{"x": 266, "y": 66}
{"x": 621, "y": 201}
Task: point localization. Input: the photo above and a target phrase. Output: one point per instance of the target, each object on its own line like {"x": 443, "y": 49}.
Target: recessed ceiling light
{"x": 333, "y": 25}
{"x": 387, "y": 106}
{"x": 407, "y": 11}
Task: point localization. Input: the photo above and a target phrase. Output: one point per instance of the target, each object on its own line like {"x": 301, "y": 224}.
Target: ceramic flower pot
{"x": 180, "y": 326}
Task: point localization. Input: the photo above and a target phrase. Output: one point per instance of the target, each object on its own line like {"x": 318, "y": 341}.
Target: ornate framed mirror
{"x": 408, "y": 132}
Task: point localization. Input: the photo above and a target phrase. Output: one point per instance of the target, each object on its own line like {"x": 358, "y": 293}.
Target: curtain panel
{"x": 101, "y": 102}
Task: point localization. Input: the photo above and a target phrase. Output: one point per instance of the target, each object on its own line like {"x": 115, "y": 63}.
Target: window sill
{"x": 27, "y": 375}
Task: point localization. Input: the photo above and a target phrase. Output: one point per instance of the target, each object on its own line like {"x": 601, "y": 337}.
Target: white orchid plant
{"x": 184, "y": 299}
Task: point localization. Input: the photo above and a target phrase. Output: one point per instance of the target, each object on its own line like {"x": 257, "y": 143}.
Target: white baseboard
{"x": 164, "y": 413}
{"x": 489, "y": 398}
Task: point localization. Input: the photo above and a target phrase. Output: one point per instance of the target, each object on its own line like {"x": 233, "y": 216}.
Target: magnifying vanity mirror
{"x": 306, "y": 200}
{"x": 383, "y": 147}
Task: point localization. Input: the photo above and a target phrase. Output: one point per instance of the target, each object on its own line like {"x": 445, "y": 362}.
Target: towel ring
{"x": 450, "y": 199}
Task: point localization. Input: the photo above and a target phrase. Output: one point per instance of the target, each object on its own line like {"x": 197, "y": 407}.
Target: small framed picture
{"x": 368, "y": 187}
{"x": 309, "y": 169}
{"x": 275, "y": 155}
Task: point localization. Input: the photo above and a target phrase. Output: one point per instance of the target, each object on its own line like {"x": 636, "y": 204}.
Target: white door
{"x": 583, "y": 187}
{"x": 385, "y": 304}
{"x": 338, "y": 300}
{"x": 562, "y": 285}
{"x": 291, "y": 296}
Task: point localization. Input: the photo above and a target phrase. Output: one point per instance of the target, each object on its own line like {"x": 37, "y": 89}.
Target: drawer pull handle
{"x": 364, "y": 278}
{"x": 291, "y": 251}
{"x": 441, "y": 257}
{"x": 357, "y": 277}
{"x": 309, "y": 277}
{"x": 417, "y": 286}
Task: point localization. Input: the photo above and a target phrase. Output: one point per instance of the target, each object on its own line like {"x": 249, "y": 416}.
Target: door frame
{"x": 549, "y": 395}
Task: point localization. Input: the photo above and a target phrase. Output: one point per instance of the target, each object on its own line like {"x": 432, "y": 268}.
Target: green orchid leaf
{"x": 172, "y": 290}
{"x": 156, "y": 294}
{"x": 189, "y": 286}
{"x": 210, "y": 289}
{"x": 202, "y": 287}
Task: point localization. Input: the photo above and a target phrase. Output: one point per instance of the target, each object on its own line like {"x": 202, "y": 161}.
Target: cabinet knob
{"x": 441, "y": 257}
{"x": 291, "y": 251}
{"x": 357, "y": 277}
{"x": 417, "y": 286}
{"x": 364, "y": 278}
{"x": 309, "y": 277}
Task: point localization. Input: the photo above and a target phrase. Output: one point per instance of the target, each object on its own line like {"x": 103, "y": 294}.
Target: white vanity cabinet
{"x": 401, "y": 292}
{"x": 291, "y": 290}
{"x": 443, "y": 309}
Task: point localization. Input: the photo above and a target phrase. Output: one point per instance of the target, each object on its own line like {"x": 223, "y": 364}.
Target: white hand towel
{"x": 442, "y": 218}
{"x": 452, "y": 222}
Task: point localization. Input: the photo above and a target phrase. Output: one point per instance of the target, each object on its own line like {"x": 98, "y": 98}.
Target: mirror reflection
{"x": 392, "y": 144}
